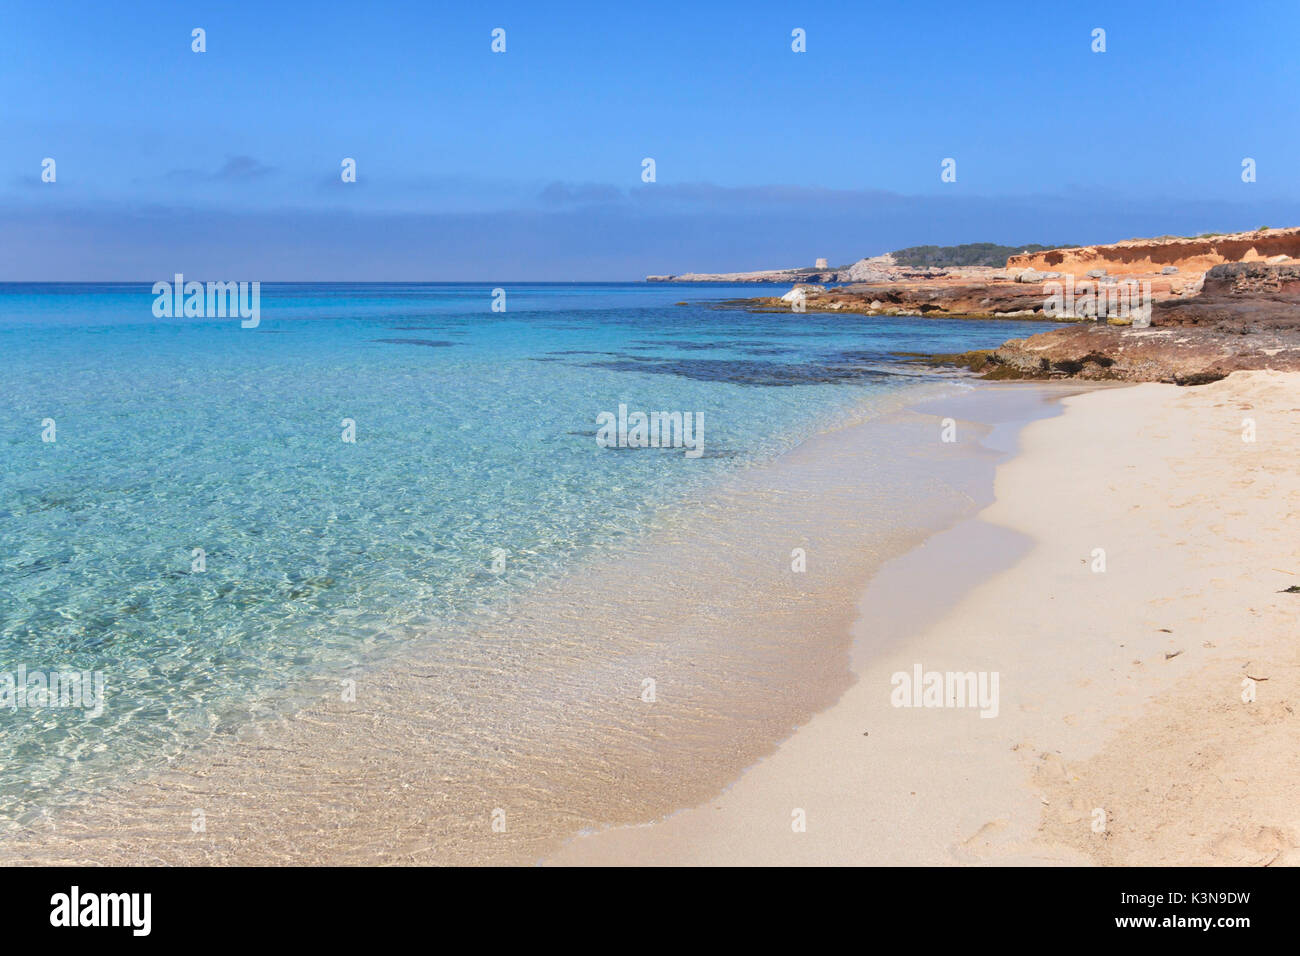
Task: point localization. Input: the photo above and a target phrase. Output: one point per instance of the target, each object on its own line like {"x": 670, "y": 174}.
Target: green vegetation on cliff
{"x": 970, "y": 254}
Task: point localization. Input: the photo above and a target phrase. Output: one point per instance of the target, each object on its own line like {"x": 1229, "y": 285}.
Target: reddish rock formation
{"x": 1208, "y": 316}
{"x": 1151, "y": 256}
{"x": 1247, "y": 317}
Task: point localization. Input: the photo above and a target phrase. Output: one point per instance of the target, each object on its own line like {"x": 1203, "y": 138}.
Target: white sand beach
{"x": 1125, "y": 732}
{"x": 1119, "y": 733}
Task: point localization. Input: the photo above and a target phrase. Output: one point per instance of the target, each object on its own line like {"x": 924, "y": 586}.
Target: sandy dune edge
{"x": 1124, "y": 734}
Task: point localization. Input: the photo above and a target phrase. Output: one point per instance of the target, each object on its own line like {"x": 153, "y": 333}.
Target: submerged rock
{"x": 801, "y": 291}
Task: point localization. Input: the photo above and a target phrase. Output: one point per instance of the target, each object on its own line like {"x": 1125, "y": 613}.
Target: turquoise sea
{"x": 474, "y": 474}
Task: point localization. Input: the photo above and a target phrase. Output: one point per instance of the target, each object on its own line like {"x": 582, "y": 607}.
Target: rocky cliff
{"x": 1247, "y": 316}
{"x": 1186, "y": 255}
{"x": 1240, "y": 297}
{"x": 1214, "y": 304}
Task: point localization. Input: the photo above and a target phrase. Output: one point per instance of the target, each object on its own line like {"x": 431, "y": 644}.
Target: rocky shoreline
{"x": 1205, "y": 307}
{"x": 1247, "y": 316}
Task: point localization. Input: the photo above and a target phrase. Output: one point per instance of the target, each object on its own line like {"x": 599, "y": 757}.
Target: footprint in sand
{"x": 980, "y": 842}
{"x": 1263, "y": 847}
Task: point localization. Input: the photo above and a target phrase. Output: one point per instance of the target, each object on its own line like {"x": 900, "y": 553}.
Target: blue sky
{"x": 527, "y": 165}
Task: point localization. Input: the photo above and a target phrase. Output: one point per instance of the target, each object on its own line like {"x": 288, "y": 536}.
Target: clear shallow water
{"x": 475, "y": 431}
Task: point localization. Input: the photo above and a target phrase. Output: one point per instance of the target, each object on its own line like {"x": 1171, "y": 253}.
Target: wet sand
{"x": 616, "y": 695}
{"x": 1148, "y": 705}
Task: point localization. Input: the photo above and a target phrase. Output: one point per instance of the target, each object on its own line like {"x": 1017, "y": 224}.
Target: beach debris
{"x": 1293, "y": 589}
{"x": 1170, "y": 655}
